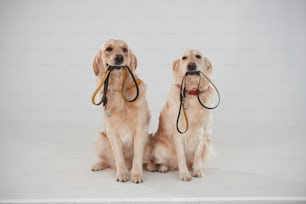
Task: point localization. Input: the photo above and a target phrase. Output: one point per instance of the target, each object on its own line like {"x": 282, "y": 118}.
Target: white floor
{"x": 51, "y": 160}
{"x": 47, "y": 123}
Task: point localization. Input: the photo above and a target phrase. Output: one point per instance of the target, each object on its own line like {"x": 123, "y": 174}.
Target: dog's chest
{"x": 197, "y": 115}
{"x": 198, "y": 119}
{"x": 193, "y": 139}
{"x": 124, "y": 125}
{"x": 126, "y": 137}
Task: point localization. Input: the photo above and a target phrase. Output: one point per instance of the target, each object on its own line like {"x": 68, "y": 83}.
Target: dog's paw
{"x": 150, "y": 167}
{"x": 185, "y": 176}
{"x": 198, "y": 173}
{"x": 137, "y": 178}
{"x": 122, "y": 176}
{"x": 99, "y": 166}
{"x": 163, "y": 168}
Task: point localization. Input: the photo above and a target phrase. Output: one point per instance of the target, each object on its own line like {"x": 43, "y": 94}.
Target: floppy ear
{"x": 175, "y": 64}
{"x": 97, "y": 64}
{"x": 208, "y": 64}
{"x": 133, "y": 62}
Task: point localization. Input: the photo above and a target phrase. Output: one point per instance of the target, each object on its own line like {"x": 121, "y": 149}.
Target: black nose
{"x": 192, "y": 66}
{"x": 118, "y": 59}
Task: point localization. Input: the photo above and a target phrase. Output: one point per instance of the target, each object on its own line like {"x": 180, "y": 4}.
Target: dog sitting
{"x": 188, "y": 151}
{"x": 124, "y": 142}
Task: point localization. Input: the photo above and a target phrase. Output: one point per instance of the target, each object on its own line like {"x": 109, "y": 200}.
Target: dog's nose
{"x": 191, "y": 66}
{"x": 118, "y": 59}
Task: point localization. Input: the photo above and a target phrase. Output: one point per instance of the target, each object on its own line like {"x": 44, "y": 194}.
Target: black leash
{"x": 183, "y": 98}
{"x": 136, "y": 85}
{"x": 202, "y": 104}
{"x": 182, "y": 106}
{"x": 105, "y": 88}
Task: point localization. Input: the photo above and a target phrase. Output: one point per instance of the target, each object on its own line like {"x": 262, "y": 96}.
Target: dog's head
{"x": 113, "y": 53}
{"x": 191, "y": 61}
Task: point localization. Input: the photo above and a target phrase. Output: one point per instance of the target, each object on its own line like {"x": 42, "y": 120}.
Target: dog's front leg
{"x": 203, "y": 151}
{"x": 140, "y": 140}
{"x": 181, "y": 159}
{"x": 197, "y": 166}
{"x": 122, "y": 174}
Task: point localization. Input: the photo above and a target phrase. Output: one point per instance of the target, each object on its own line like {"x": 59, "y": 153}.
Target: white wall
{"x": 258, "y": 50}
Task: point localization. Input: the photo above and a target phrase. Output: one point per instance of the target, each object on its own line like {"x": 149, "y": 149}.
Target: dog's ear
{"x": 133, "y": 59}
{"x": 208, "y": 64}
{"x": 98, "y": 63}
{"x": 175, "y": 64}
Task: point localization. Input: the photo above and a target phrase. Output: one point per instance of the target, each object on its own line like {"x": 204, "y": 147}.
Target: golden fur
{"x": 122, "y": 144}
{"x": 185, "y": 152}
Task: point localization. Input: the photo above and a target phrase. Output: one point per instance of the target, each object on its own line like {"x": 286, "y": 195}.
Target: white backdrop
{"x": 257, "y": 48}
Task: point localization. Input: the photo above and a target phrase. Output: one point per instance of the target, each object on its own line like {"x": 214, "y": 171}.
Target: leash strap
{"x": 136, "y": 86}
{"x": 202, "y": 104}
{"x": 182, "y": 107}
{"x": 105, "y": 76}
{"x": 105, "y": 88}
{"x": 104, "y": 82}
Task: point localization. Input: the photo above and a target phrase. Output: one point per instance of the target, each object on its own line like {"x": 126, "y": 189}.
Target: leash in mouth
{"x": 104, "y": 83}
{"x": 197, "y": 92}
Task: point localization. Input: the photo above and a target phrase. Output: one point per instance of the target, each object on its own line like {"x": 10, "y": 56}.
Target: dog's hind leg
{"x": 104, "y": 152}
{"x": 148, "y": 164}
{"x": 99, "y": 166}
{"x": 161, "y": 157}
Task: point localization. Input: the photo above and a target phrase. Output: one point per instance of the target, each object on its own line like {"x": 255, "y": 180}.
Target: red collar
{"x": 193, "y": 92}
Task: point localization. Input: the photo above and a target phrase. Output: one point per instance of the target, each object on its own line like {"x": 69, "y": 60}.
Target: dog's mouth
{"x": 118, "y": 67}
{"x": 192, "y": 73}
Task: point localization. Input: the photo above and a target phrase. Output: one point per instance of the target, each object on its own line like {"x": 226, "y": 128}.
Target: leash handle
{"x": 219, "y": 98}
{"x": 136, "y": 85}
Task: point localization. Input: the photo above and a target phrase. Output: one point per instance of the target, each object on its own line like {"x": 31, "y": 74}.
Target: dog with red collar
{"x": 183, "y": 141}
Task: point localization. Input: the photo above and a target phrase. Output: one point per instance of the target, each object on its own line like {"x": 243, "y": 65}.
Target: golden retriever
{"x": 122, "y": 144}
{"x": 185, "y": 152}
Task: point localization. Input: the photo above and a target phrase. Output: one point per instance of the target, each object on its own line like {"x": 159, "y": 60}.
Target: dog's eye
{"x": 124, "y": 49}
{"x": 184, "y": 58}
{"x": 109, "y": 49}
{"x": 198, "y": 56}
